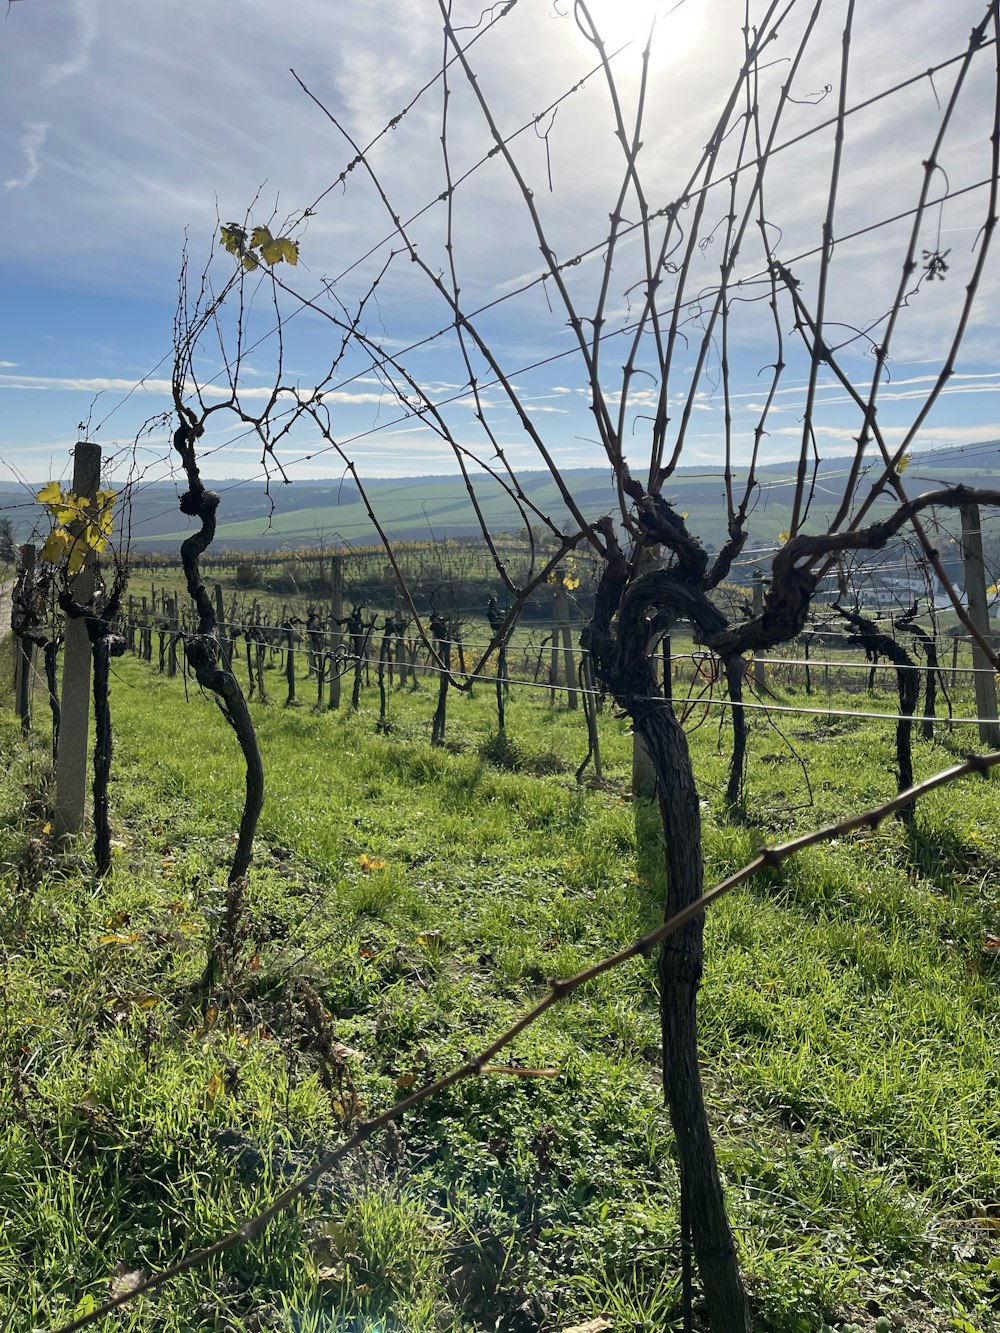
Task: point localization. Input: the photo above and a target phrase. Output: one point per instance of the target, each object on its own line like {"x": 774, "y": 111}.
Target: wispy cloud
{"x": 114, "y": 384}
{"x": 31, "y": 145}
{"x": 79, "y": 58}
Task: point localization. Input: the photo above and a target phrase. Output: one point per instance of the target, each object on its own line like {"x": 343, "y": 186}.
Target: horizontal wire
{"x": 694, "y": 702}
{"x": 695, "y": 301}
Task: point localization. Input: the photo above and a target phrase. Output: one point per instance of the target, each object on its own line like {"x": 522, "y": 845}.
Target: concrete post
{"x": 975, "y": 600}
{"x": 71, "y": 760}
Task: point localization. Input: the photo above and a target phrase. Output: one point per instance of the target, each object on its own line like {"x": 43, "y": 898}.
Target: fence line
{"x": 349, "y": 661}
{"x": 304, "y": 635}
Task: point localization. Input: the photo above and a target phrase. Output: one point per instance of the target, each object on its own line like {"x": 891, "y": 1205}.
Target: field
{"x": 406, "y": 904}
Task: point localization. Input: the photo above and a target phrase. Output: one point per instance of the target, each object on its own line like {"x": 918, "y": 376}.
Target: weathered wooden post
{"x": 24, "y": 651}
{"x": 759, "y": 673}
{"x": 590, "y": 713}
{"x": 71, "y": 760}
{"x": 289, "y": 629}
{"x": 336, "y": 615}
{"x": 979, "y": 614}
{"x": 225, "y": 647}
{"x": 643, "y": 772}
{"x": 563, "y": 630}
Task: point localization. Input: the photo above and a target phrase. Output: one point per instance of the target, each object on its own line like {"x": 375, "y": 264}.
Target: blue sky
{"x": 127, "y": 126}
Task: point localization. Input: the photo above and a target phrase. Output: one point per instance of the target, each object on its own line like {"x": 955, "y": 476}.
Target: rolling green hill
{"x": 331, "y": 512}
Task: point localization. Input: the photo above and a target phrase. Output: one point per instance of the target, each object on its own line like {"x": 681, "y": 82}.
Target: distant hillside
{"x": 329, "y": 512}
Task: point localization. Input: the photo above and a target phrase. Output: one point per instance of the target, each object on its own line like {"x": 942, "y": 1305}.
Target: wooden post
{"x": 225, "y": 650}
{"x": 563, "y": 629}
{"x": 71, "y": 761}
{"x": 643, "y": 772}
{"x": 290, "y": 662}
{"x": 590, "y": 712}
{"x": 759, "y": 673}
{"x": 979, "y": 614}
{"x": 336, "y": 613}
{"x": 24, "y": 648}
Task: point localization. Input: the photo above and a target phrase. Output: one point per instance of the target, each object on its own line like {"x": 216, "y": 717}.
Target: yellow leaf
{"x": 49, "y": 494}
{"x": 77, "y": 558}
{"x": 249, "y": 263}
{"x": 274, "y": 249}
{"x": 55, "y": 546}
{"x": 213, "y": 1089}
{"x": 289, "y": 249}
{"x": 261, "y": 236}
{"x": 130, "y": 938}
{"x": 233, "y": 237}
{"x": 66, "y": 511}
{"x": 46, "y": 828}
{"x": 370, "y": 863}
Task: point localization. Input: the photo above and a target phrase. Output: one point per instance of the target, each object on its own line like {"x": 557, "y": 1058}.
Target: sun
{"x": 678, "y": 26}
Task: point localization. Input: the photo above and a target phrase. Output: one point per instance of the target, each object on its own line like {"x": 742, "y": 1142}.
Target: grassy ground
{"x": 407, "y": 903}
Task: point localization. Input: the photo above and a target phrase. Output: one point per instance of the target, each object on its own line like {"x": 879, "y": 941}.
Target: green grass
{"x": 848, "y": 1021}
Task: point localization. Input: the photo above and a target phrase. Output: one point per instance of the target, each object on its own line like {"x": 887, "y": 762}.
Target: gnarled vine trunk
{"x": 680, "y": 968}
{"x": 204, "y": 652}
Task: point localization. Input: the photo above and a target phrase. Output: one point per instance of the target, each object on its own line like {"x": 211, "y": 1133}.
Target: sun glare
{"x": 678, "y": 26}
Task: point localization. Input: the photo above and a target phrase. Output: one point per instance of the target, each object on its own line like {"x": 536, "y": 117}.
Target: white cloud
{"x": 114, "y": 384}
{"x": 79, "y": 58}
{"x": 31, "y": 144}
{"x": 146, "y": 145}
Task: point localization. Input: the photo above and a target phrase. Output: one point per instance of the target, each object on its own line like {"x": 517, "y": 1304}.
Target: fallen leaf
{"x": 130, "y": 938}
{"x": 370, "y": 863}
{"x": 213, "y": 1088}
{"x": 332, "y": 1272}
{"x": 343, "y": 1052}
{"x": 598, "y": 1325}
{"x": 208, "y": 1022}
